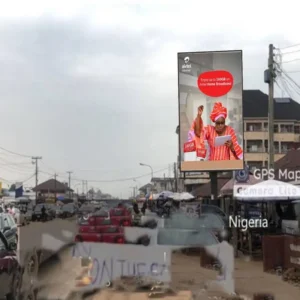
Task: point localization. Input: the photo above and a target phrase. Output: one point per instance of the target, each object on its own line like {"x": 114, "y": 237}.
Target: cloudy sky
{"x": 91, "y": 86}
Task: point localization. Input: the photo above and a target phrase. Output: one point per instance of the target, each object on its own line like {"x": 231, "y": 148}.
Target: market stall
{"x": 270, "y": 221}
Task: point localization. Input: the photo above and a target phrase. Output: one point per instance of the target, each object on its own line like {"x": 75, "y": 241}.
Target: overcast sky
{"x": 92, "y": 88}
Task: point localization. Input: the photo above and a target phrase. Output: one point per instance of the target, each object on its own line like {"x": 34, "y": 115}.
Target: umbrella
{"x": 182, "y": 196}
{"x": 165, "y": 195}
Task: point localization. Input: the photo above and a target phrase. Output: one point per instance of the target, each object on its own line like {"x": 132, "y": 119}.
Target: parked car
{"x": 37, "y": 213}
{"x": 68, "y": 210}
{"x": 108, "y": 234}
{"x": 118, "y": 216}
{"x": 85, "y": 210}
{"x": 51, "y": 210}
{"x": 10, "y": 271}
{"x": 9, "y": 228}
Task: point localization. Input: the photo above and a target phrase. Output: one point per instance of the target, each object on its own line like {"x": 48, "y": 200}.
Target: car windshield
{"x": 101, "y": 213}
{"x": 67, "y": 208}
{"x": 38, "y": 208}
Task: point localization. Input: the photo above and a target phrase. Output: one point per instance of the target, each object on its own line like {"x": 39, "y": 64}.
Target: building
{"x": 286, "y": 127}
{"x": 52, "y": 189}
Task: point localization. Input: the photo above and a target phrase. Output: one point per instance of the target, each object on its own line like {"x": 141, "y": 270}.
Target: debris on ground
{"x": 292, "y": 275}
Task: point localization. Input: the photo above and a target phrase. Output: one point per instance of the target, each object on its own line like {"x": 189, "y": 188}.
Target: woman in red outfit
{"x": 231, "y": 150}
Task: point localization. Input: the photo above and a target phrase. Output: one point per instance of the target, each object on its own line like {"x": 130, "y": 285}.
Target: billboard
{"x": 210, "y": 94}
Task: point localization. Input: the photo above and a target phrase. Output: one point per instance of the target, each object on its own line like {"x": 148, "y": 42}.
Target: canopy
{"x": 267, "y": 191}
{"x": 228, "y": 187}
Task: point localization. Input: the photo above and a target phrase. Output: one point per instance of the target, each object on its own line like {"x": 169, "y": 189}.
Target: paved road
{"x": 57, "y": 276}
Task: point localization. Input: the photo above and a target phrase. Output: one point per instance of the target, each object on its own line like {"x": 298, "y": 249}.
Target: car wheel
{"x": 30, "y": 269}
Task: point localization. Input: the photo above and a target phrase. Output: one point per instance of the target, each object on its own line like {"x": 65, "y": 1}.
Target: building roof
{"x": 256, "y": 106}
{"x": 204, "y": 190}
{"x": 144, "y": 187}
{"x": 291, "y": 161}
{"x": 52, "y": 186}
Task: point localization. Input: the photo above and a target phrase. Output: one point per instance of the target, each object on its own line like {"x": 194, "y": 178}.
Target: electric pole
{"x": 271, "y": 106}
{"x": 35, "y": 160}
{"x": 55, "y": 176}
{"x": 82, "y": 187}
{"x": 175, "y": 177}
{"x": 69, "y": 172}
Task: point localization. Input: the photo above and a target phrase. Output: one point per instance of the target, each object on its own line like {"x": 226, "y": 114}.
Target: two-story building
{"x": 256, "y": 134}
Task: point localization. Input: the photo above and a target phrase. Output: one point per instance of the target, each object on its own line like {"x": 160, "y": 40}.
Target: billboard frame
{"x": 178, "y": 95}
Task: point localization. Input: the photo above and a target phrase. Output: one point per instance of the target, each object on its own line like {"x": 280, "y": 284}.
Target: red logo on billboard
{"x": 189, "y": 146}
{"x": 215, "y": 83}
{"x": 201, "y": 153}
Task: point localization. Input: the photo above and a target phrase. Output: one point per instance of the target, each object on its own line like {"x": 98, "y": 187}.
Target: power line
{"x": 292, "y": 46}
{"x": 290, "y": 52}
{"x": 289, "y": 61}
{"x": 15, "y": 153}
{"x": 122, "y": 179}
{"x": 22, "y": 180}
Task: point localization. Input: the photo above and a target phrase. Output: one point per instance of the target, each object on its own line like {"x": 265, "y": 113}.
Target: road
{"x": 57, "y": 276}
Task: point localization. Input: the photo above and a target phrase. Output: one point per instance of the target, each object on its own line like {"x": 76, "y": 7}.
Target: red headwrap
{"x": 218, "y": 111}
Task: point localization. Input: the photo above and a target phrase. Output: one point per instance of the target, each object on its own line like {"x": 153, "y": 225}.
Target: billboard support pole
{"x": 214, "y": 185}
{"x": 271, "y": 107}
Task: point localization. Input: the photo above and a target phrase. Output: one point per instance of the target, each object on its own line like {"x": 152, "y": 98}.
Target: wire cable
{"x": 288, "y": 47}
{"x": 15, "y": 153}
{"x": 121, "y": 179}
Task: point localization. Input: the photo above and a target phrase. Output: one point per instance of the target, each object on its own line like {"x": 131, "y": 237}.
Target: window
{"x": 253, "y": 126}
{"x": 101, "y": 213}
{"x": 11, "y": 221}
{"x": 254, "y": 146}
{"x": 106, "y": 222}
{"x": 297, "y": 129}
{"x": 117, "y": 212}
{"x": 286, "y": 128}
{"x": 112, "y": 230}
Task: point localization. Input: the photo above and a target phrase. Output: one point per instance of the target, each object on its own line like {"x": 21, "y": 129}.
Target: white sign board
{"x": 110, "y": 261}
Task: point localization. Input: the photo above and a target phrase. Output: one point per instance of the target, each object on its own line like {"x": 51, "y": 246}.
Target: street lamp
{"x": 144, "y": 165}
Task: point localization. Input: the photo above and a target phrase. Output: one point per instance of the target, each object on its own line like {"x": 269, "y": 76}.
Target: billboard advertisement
{"x": 210, "y": 94}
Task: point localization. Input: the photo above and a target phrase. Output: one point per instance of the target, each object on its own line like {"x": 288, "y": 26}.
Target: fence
{"x": 281, "y": 251}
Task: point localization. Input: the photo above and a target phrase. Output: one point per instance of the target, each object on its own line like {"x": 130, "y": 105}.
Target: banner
{"x": 210, "y": 92}
{"x": 19, "y": 190}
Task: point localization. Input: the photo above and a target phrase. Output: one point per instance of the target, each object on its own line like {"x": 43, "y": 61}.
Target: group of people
{"x": 205, "y": 135}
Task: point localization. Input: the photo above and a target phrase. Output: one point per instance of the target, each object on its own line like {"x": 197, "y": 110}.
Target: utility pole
{"x": 55, "y": 196}
{"x": 270, "y": 81}
{"x": 82, "y": 187}
{"x": 69, "y": 172}
{"x": 35, "y": 161}
{"x": 175, "y": 177}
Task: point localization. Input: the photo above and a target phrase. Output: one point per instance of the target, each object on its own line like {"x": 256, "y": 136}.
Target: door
{"x": 11, "y": 232}
{"x": 4, "y": 277}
